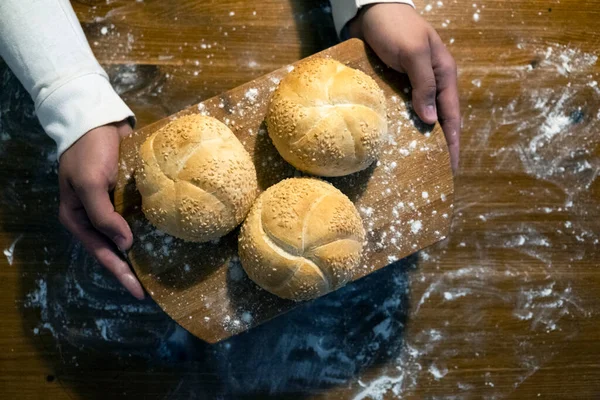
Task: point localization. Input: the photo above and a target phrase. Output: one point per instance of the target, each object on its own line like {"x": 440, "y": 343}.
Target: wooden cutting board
{"x": 405, "y": 201}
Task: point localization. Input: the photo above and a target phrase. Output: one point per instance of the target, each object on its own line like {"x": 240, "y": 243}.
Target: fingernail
{"x": 121, "y": 242}
{"x": 430, "y": 112}
{"x": 133, "y": 286}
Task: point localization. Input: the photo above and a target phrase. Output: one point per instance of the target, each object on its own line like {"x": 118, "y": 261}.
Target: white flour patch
{"x": 202, "y": 109}
{"x": 555, "y": 123}
{"x": 455, "y": 294}
{"x": 415, "y": 226}
{"x": 383, "y": 329}
{"x": 545, "y": 307}
{"x": 381, "y": 388}
{"x": 10, "y": 252}
{"x": 39, "y": 297}
{"x": 251, "y": 95}
{"x": 437, "y": 372}
{"x": 103, "y": 326}
{"x": 567, "y": 60}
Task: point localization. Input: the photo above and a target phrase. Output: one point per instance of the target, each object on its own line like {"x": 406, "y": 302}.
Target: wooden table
{"x": 505, "y": 308}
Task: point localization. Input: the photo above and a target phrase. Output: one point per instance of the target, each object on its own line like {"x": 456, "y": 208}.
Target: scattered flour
{"x": 317, "y": 337}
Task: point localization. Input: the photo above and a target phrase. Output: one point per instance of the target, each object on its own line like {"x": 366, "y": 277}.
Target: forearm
{"x": 344, "y": 10}
{"x": 43, "y": 44}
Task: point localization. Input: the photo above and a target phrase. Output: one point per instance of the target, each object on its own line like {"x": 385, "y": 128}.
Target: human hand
{"x": 407, "y": 43}
{"x": 86, "y": 174}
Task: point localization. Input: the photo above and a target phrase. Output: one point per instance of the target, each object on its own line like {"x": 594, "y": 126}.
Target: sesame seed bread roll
{"x": 327, "y": 119}
{"x": 196, "y": 179}
{"x": 302, "y": 239}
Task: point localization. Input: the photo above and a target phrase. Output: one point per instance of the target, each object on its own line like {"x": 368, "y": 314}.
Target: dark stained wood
{"x": 507, "y": 307}
{"x": 203, "y": 287}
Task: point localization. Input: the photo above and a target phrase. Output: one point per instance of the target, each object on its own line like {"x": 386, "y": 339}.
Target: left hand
{"x": 407, "y": 43}
{"x": 86, "y": 174}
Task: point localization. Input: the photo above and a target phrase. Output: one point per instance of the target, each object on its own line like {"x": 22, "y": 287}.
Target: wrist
{"x": 124, "y": 127}
{"x": 115, "y": 131}
{"x": 356, "y": 27}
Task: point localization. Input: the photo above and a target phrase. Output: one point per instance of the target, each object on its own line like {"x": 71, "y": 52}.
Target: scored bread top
{"x": 327, "y": 119}
{"x": 302, "y": 238}
{"x": 196, "y": 179}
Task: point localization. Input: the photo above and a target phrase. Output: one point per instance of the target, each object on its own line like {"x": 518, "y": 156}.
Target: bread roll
{"x": 327, "y": 119}
{"x": 196, "y": 179}
{"x": 301, "y": 239}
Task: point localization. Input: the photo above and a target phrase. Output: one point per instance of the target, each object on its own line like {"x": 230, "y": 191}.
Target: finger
{"x": 448, "y": 103}
{"x": 100, "y": 247}
{"x": 103, "y": 216}
{"x": 420, "y": 72}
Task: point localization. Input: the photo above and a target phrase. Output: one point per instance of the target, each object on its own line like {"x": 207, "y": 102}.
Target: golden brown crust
{"x": 327, "y": 119}
{"x": 196, "y": 179}
{"x": 301, "y": 239}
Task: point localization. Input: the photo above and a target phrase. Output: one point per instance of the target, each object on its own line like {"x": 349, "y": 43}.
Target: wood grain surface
{"x": 405, "y": 201}
{"x": 505, "y": 308}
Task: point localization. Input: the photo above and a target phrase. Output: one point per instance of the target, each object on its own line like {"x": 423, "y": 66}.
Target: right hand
{"x": 406, "y": 42}
{"x": 86, "y": 174}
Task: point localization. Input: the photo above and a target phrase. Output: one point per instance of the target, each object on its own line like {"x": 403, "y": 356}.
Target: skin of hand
{"x": 87, "y": 173}
{"x": 407, "y": 43}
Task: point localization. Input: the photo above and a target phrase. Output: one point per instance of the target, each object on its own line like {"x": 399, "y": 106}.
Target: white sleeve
{"x": 43, "y": 44}
{"x": 344, "y": 10}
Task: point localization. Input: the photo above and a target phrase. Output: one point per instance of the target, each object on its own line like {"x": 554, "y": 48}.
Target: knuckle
{"x": 427, "y": 88}
{"x": 101, "y": 223}
{"x": 88, "y": 181}
{"x": 448, "y": 65}
{"x": 453, "y": 121}
{"x": 418, "y": 49}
